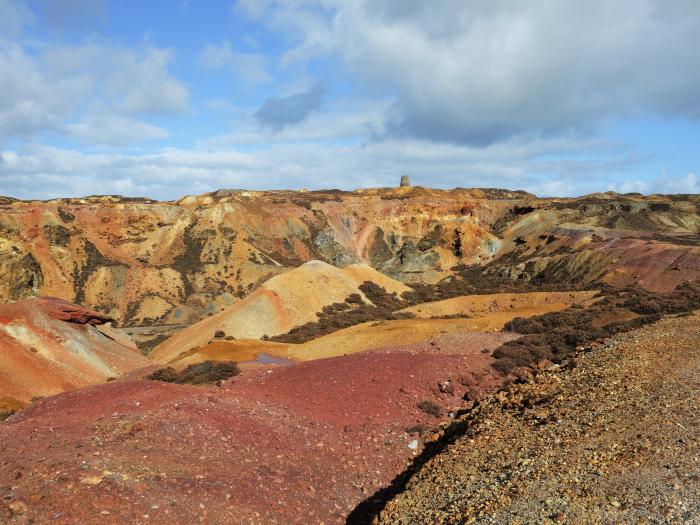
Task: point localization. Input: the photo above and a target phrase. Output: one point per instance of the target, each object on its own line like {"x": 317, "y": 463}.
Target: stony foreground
{"x": 612, "y": 437}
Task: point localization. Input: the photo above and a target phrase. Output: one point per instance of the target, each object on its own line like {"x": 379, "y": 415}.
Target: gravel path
{"x": 612, "y": 437}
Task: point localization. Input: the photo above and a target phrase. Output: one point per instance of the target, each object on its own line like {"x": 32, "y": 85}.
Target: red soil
{"x": 299, "y": 444}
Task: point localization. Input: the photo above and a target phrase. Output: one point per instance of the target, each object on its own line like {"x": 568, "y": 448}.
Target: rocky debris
{"x": 609, "y": 437}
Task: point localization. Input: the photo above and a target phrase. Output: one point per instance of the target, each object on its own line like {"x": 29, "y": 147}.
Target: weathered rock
{"x": 146, "y": 262}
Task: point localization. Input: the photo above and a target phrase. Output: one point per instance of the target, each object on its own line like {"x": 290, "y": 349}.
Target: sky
{"x": 171, "y": 98}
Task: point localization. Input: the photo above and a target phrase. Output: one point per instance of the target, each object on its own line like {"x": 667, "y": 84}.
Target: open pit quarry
{"x": 399, "y": 355}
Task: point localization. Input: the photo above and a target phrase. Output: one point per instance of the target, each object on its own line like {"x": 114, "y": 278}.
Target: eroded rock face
{"x": 143, "y": 262}
{"x": 71, "y": 313}
{"x": 48, "y": 346}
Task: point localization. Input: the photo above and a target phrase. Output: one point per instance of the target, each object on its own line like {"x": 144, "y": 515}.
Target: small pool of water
{"x": 268, "y": 359}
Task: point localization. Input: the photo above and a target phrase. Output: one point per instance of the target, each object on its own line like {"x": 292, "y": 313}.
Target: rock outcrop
{"x": 48, "y": 346}
{"x": 144, "y": 262}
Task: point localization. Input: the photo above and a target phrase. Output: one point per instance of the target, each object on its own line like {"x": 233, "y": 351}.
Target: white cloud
{"x": 69, "y": 89}
{"x": 40, "y": 171}
{"x": 480, "y": 72}
{"x": 251, "y": 67}
{"x": 114, "y": 130}
{"x": 633, "y": 186}
{"x": 342, "y": 121}
{"x": 147, "y": 84}
{"x": 687, "y": 184}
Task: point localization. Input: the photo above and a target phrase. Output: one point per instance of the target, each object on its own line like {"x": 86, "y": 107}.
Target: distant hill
{"x": 148, "y": 263}
{"x": 279, "y": 304}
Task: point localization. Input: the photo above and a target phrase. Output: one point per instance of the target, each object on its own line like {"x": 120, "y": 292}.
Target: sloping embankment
{"x": 612, "y": 437}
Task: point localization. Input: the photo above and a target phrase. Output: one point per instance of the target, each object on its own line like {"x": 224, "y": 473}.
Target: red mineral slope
{"x": 48, "y": 346}
{"x": 299, "y": 444}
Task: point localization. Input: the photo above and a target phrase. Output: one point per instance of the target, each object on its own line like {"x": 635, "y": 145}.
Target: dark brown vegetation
{"x": 203, "y": 373}
{"x": 417, "y": 429}
{"x": 9, "y": 406}
{"x": 352, "y": 311}
{"x": 430, "y": 407}
{"x": 554, "y": 336}
{"x": 468, "y": 280}
{"x": 147, "y": 347}
{"x": 471, "y": 280}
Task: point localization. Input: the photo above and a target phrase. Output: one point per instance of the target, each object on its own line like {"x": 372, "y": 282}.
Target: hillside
{"x": 144, "y": 262}
{"x": 473, "y": 318}
{"x": 610, "y": 438}
{"x": 326, "y": 440}
{"x": 279, "y": 304}
{"x": 48, "y": 346}
{"x": 315, "y": 354}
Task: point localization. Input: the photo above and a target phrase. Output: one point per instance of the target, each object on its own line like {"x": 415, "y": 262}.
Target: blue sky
{"x": 171, "y": 98}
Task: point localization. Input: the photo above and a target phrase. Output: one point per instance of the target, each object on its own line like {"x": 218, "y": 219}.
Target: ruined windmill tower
{"x": 405, "y": 181}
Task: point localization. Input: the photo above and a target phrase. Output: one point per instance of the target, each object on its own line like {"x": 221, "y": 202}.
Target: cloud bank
{"x": 349, "y": 93}
{"x": 484, "y": 71}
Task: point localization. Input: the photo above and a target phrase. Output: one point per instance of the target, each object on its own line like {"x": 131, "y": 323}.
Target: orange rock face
{"x": 144, "y": 262}
{"x": 48, "y": 346}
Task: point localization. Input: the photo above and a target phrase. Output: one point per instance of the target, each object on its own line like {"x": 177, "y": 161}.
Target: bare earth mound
{"x": 612, "y": 438}
{"x": 281, "y": 303}
{"x": 488, "y": 313}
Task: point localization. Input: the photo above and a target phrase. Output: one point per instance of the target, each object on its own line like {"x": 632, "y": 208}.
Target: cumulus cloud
{"x": 40, "y": 171}
{"x": 250, "y": 67}
{"x": 687, "y": 184}
{"x": 114, "y": 130}
{"x": 341, "y": 121}
{"x": 31, "y": 101}
{"x": 147, "y": 84}
{"x": 279, "y": 112}
{"x": 83, "y": 84}
{"x": 480, "y": 72}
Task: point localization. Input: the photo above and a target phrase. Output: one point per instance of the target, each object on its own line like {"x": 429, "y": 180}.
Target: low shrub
{"x": 556, "y": 335}
{"x": 203, "y": 373}
{"x": 9, "y": 406}
{"x": 352, "y": 311}
{"x": 430, "y": 407}
{"x": 417, "y": 429}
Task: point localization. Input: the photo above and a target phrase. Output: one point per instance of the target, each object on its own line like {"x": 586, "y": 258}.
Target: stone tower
{"x": 405, "y": 181}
